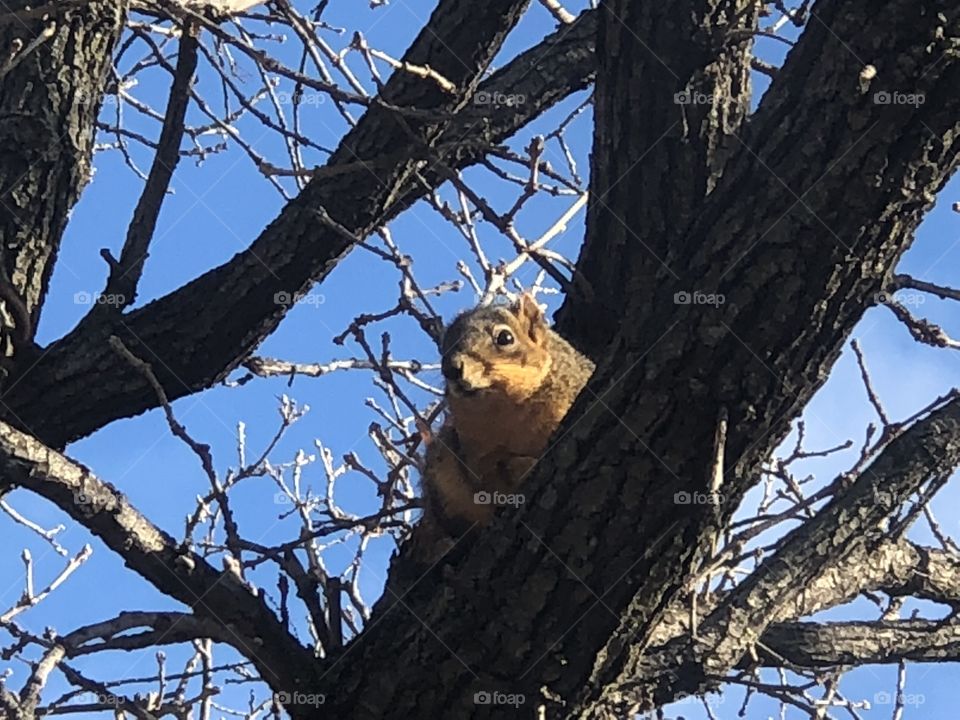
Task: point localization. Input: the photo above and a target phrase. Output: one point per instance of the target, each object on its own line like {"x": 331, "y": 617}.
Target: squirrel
{"x": 509, "y": 381}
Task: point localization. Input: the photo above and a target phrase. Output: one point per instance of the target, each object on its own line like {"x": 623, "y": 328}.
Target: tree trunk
{"x": 724, "y": 266}
{"x": 52, "y": 89}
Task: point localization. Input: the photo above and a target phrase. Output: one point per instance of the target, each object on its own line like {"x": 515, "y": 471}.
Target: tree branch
{"x": 850, "y": 522}
{"x": 125, "y": 273}
{"x": 694, "y": 86}
{"x": 47, "y": 121}
{"x": 827, "y": 645}
{"x": 363, "y": 184}
{"x": 243, "y": 620}
{"x": 787, "y": 294}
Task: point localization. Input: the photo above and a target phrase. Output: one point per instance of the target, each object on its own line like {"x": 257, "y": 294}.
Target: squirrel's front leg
{"x": 454, "y": 493}
{"x": 513, "y": 470}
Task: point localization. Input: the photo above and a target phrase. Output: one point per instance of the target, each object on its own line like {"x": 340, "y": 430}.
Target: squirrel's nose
{"x": 452, "y": 367}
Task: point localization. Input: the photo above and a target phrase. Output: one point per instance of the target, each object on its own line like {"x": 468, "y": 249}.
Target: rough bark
{"x": 891, "y": 565}
{"x": 818, "y": 198}
{"x": 365, "y": 182}
{"x": 554, "y": 584}
{"x": 799, "y": 236}
{"x": 826, "y": 645}
{"x": 688, "y": 67}
{"x": 243, "y": 618}
{"x": 812, "y": 571}
{"x": 51, "y": 93}
{"x": 898, "y": 568}
{"x": 852, "y": 521}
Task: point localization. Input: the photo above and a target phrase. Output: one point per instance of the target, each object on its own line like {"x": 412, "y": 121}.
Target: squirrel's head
{"x": 497, "y": 350}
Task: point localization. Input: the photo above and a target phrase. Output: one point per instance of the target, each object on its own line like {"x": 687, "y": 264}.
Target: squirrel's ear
{"x": 531, "y": 317}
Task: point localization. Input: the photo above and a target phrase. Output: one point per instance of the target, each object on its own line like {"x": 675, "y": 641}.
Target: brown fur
{"x": 505, "y": 402}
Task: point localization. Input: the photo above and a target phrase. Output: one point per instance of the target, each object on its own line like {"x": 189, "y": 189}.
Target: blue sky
{"x": 220, "y": 207}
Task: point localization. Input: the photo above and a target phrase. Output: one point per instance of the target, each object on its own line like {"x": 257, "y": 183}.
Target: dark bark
{"x": 366, "y": 181}
{"x": 830, "y": 645}
{"x": 818, "y": 197}
{"x": 46, "y": 139}
{"x": 244, "y": 619}
{"x": 554, "y": 594}
{"x": 799, "y": 235}
{"x": 852, "y": 521}
{"x": 898, "y": 568}
{"x": 674, "y": 92}
{"x": 125, "y": 272}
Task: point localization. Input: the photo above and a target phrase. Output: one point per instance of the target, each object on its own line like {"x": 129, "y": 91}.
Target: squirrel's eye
{"x": 504, "y": 338}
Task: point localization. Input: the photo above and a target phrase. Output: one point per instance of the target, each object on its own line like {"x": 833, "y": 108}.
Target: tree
{"x": 728, "y": 254}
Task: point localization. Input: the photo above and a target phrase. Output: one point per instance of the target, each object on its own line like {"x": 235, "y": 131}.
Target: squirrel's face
{"x": 496, "y": 350}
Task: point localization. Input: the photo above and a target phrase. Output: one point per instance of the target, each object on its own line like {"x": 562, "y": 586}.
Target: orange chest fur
{"x": 488, "y": 427}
